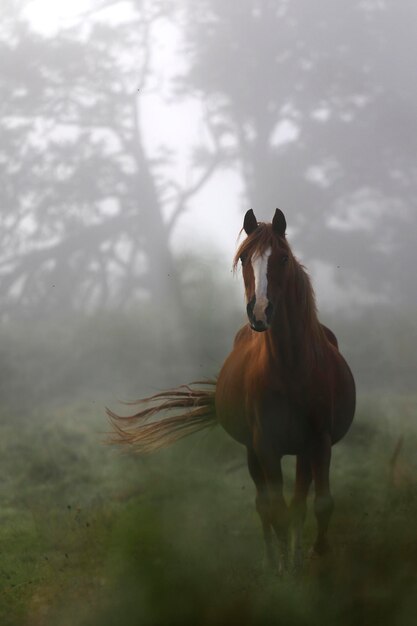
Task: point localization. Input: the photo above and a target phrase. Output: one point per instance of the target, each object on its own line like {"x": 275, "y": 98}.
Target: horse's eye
{"x": 284, "y": 259}
{"x": 243, "y": 258}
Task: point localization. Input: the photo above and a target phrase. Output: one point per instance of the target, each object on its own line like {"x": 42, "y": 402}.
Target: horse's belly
{"x": 231, "y": 405}
{"x": 231, "y": 415}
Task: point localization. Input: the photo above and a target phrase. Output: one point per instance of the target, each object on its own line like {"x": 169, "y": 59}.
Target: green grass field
{"x": 93, "y": 536}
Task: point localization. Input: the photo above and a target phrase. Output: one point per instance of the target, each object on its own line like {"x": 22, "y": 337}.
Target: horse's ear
{"x": 250, "y": 222}
{"x": 278, "y": 223}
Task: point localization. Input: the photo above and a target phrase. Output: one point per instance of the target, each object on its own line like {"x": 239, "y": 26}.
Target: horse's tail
{"x": 166, "y": 417}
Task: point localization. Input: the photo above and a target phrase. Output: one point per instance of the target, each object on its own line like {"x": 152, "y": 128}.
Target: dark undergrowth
{"x": 92, "y": 536}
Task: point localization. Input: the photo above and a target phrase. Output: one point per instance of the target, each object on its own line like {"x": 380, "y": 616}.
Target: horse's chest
{"x": 252, "y": 402}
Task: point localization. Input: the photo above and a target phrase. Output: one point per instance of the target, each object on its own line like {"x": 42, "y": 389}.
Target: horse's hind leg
{"x": 298, "y": 507}
{"x": 323, "y": 503}
{"x": 262, "y": 504}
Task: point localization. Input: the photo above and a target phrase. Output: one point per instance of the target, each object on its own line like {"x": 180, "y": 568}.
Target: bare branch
{"x": 185, "y": 196}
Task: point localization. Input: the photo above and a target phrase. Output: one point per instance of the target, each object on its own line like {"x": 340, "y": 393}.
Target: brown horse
{"x": 284, "y": 389}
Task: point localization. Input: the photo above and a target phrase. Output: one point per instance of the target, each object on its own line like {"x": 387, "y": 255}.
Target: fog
{"x": 134, "y": 136}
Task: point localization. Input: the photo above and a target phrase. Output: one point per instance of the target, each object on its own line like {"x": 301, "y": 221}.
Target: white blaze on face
{"x": 260, "y": 267}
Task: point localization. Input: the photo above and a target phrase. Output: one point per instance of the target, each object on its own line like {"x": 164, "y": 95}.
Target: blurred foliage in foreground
{"x": 90, "y": 536}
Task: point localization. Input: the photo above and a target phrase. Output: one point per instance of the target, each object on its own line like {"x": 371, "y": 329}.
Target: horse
{"x": 285, "y": 389}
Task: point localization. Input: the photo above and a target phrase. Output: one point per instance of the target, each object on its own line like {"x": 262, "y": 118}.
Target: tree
{"x": 316, "y": 102}
{"x": 82, "y": 222}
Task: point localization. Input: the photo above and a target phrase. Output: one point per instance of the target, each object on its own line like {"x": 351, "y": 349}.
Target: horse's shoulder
{"x": 330, "y": 336}
{"x": 242, "y": 334}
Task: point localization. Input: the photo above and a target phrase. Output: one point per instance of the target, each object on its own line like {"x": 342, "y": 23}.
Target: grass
{"x": 91, "y": 536}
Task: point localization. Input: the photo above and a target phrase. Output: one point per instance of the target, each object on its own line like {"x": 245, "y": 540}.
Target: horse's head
{"x": 266, "y": 259}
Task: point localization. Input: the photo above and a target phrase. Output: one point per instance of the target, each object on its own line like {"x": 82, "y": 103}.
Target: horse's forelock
{"x": 258, "y": 242}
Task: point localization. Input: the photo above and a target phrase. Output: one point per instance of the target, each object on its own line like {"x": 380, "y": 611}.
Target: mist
{"x": 134, "y": 136}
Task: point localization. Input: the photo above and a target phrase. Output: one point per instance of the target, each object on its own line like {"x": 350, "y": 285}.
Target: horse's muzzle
{"x": 259, "y": 326}
{"x": 259, "y": 322}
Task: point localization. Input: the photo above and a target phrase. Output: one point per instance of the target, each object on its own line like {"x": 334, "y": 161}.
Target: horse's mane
{"x": 313, "y": 340}
{"x": 304, "y": 294}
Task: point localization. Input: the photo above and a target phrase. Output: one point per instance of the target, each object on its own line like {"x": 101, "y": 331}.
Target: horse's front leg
{"x": 298, "y": 507}
{"x": 323, "y": 503}
{"x": 276, "y": 512}
{"x": 262, "y": 504}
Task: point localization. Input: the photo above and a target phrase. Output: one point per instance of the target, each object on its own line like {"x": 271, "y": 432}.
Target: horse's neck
{"x": 294, "y": 341}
